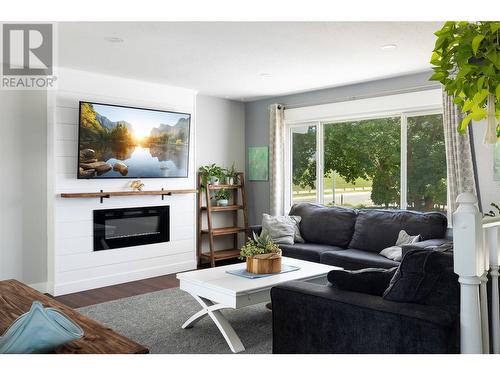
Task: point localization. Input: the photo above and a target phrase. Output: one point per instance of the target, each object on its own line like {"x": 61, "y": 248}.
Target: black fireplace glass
{"x": 124, "y": 227}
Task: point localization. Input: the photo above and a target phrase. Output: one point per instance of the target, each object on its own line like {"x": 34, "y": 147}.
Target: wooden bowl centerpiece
{"x": 262, "y": 255}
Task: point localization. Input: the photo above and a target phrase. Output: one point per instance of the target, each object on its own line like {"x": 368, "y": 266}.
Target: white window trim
{"x": 422, "y": 103}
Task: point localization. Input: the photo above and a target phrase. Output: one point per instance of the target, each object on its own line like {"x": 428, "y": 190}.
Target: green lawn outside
{"x": 340, "y": 185}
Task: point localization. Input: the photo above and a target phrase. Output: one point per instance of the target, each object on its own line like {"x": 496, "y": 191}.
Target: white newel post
{"x": 492, "y": 245}
{"x": 469, "y": 265}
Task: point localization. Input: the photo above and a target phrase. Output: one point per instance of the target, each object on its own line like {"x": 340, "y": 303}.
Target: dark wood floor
{"x": 109, "y": 293}
{"x": 133, "y": 288}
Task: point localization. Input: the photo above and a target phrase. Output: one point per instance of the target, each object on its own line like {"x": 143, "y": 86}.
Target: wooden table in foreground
{"x": 16, "y": 298}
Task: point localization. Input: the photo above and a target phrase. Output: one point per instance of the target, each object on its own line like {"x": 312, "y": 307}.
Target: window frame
{"x": 403, "y": 114}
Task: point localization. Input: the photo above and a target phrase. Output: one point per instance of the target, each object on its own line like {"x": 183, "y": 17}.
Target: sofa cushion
{"x": 354, "y": 259}
{"x": 282, "y": 229}
{"x": 325, "y": 225}
{"x": 426, "y": 276}
{"x": 372, "y": 281}
{"x": 307, "y": 251}
{"x": 377, "y": 229}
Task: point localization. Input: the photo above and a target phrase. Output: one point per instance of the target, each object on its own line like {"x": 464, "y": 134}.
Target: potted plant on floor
{"x": 262, "y": 254}
{"x": 211, "y": 174}
{"x": 222, "y": 197}
{"x": 466, "y": 61}
{"x": 231, "y": 175}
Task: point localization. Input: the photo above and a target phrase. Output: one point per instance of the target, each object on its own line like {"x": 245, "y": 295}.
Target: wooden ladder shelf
{"x": 239, "y": 204}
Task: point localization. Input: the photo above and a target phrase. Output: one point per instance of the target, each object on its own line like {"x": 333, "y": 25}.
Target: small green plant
{"x": 258, "y": 245}
{"x": 492, "y": 213}
{"x": 231, "y": 173}
{"x": 207, "y": 171}
{"x": 466, "y": 61}
{"x": 222, "y": 194}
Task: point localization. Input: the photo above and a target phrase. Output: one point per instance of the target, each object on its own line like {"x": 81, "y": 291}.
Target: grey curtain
{"x": 459, "y": 157}
{"x": 276, "y": 158}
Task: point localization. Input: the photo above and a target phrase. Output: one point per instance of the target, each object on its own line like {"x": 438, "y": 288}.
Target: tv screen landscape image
{"x": 126, "y": 142}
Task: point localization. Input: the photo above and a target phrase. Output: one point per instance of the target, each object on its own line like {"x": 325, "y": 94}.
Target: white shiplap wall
{"x": 73, "y": 265}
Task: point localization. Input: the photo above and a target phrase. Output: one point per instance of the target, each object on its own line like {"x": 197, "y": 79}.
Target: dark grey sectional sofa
{"x": 352, "y": 238}
{"x": 311, "y": 318}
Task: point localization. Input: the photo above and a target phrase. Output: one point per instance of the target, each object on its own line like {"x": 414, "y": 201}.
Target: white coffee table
{"x": 215, "y": 289}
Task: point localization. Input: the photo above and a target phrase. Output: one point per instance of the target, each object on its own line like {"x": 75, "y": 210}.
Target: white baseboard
{"x": 119, "y": 278}
{"x": 41, "y": 287}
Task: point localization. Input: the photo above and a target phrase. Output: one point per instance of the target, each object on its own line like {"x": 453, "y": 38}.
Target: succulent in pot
{"x": 222, "y": 197}
{"x": 262, "y": 255}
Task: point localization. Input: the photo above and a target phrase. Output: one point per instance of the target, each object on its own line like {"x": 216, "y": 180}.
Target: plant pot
{"x": 229, "y": 180}
{"x": 214, "y": 180}
{"x": 222, "y": 202}
{"x": 264, "y": 264}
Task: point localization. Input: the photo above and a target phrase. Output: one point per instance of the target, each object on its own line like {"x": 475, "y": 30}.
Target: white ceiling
{"x": 248, "y": 60}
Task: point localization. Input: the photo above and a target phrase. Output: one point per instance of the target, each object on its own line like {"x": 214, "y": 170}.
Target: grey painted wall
{"x": 220, "y": 138}
{"x": 23, "y": 191}
{"x": 220, "y": 132}
{"x": 257, "y": 119}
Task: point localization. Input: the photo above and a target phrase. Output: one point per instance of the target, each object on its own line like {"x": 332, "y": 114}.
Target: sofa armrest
{"x": 434, "y": 242}
{"x": 311, "y": 318}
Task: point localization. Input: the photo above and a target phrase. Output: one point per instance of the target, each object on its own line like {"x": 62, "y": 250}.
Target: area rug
{"x": 155, "y": 319}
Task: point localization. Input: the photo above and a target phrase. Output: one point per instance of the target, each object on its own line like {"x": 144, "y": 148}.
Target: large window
{"x": 426, "y": 163}
{"x": 395, "y": 161}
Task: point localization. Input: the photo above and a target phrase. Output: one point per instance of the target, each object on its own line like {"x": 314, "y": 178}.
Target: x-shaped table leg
{"x": 212, "y": 309}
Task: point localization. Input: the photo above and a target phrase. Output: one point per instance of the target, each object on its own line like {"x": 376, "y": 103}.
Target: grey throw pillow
{"x": 282, "y": 229}
{"x": 396, "y": 252}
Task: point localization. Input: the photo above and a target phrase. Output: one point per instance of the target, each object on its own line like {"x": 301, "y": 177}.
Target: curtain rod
{"x": 365, "y": 96}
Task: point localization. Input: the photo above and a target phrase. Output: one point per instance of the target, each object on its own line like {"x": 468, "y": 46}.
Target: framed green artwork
{"x": 496, "y": 162}
{"x": 258, "y": 163}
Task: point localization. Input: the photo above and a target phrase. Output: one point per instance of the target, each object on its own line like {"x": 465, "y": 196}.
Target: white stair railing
{"x": 476, "y": 255}
{"x": 470, "y": 265}
{"x": 490, "y": 226}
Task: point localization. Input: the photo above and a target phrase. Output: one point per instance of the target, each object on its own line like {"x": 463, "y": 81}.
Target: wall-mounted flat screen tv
{"x": 126, "y": 142}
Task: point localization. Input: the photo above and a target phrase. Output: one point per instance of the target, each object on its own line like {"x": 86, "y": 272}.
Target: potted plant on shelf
{"x": 466, "y": 61}
{"x": 222, "y": 197}
{"x": 211, "y": 174}
{"x": 231, "y": 175}
{"x": 262, "y": 254}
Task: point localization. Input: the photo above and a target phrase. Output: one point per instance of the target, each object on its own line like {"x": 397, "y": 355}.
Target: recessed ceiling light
{"x": 387, "y": 47}
{"x": 113, "y": 39}
{"x": 265, "y": 75}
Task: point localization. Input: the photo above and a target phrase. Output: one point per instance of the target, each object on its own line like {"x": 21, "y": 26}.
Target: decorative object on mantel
{"x": 40, "y": 330}
{"x": 467, "y": 63}
{"x": 137, "y": 185}
{"x": 262, "y": 255}
{"x": 102, "y": 194}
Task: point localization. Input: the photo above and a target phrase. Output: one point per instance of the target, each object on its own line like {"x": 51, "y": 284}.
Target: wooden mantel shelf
{"x": 108, "y": 194}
